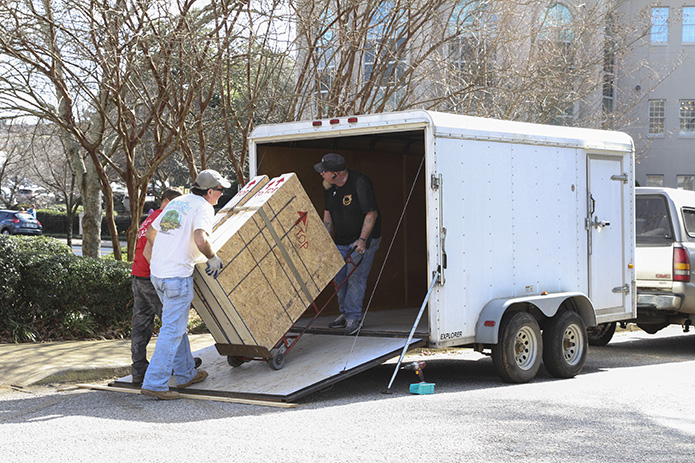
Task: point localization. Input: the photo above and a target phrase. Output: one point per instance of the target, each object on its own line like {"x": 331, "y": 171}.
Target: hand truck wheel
{"x": 277, "y": 362}
{"x": 234, "y": 361}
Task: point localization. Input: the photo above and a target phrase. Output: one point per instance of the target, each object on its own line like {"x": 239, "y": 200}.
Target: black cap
{"x": 331, "y": 162}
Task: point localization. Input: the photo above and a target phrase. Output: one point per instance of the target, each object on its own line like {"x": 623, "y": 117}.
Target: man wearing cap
{"x": 179, "y": 240}
{"x": 353, "y": 219}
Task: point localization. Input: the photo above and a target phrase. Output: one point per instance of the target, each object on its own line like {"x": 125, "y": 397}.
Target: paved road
{"x": 633, "y": 402}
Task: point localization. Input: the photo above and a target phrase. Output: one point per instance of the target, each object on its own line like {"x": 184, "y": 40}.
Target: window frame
{"x": 660, "y": 176}
{"x": 652, "y": 116}
{"x": 687, "y": 120}
{"x": 688, "y": 25}
{"x": 659, "y": 29}
{"x": 683, "y": 177}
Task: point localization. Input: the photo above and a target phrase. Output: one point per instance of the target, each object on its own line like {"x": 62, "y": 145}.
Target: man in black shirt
{"x": 353, "y": 219}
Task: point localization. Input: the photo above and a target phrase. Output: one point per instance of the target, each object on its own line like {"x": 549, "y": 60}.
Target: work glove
{"x": 214, "y": 266}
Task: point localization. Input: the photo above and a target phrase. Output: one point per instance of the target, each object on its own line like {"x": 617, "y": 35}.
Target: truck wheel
{"x": 564, "y": 339}
{"x": 601, "y": 334}
{"x": 517, "y": 355}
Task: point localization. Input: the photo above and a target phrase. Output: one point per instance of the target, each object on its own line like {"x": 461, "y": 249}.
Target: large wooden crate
{"x": 277, "y": 258}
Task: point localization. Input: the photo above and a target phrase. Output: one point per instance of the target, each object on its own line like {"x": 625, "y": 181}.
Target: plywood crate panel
{"x": 278, "y": 257}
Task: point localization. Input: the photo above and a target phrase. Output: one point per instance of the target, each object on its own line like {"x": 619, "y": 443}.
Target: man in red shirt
{"x": 146, "y": 304}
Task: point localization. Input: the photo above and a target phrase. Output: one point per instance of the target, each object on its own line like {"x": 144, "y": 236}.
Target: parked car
{"x": 19, "y": 223}
{"x": 665, "y": 238}
{"x": 35, "y": 195}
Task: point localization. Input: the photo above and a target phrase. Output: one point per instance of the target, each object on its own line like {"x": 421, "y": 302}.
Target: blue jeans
{"x": 146, "y": 305}
{"x": 351, "y": 294}
{"x": 172, "y": 351}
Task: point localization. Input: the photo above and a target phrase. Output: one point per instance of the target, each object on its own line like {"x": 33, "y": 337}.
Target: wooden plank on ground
{"x": 264, "y": 403}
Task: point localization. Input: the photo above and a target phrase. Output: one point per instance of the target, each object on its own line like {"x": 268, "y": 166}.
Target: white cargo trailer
{"x": 524, "y": 231}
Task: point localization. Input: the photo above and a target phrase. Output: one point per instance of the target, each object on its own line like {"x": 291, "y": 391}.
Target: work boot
{"x": 162, "y": 395}
{"x": 352, "y": 326}
{"x": 338, "y": 322}
{"x": 200, "y": 376}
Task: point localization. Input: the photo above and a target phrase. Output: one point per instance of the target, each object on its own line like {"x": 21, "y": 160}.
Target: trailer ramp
{"x": 316, "y": 362}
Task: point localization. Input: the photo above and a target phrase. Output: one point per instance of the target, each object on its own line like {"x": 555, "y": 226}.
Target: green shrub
{"x": 49, "y": 293}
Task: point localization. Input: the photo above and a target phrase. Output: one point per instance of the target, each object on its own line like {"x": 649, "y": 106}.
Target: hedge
{"x": 48, "y": 293}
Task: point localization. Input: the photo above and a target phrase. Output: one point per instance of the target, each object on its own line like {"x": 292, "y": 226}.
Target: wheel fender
{"x": 487, "y": 328}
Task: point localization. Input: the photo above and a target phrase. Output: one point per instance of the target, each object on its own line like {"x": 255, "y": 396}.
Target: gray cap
{"x": 331, "y": 162}
{"x": 210, "y": 179}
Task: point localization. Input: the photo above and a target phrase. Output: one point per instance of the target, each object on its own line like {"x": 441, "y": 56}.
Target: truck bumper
{"x": 660, "y": 301}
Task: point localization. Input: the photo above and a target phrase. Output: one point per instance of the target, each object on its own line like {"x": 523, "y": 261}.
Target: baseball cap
{"x": 210, "y": 179}
{"x": 331, "y": 162}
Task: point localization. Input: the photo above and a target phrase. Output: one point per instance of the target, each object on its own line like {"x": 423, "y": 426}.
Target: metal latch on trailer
{"x": 437, "y": 185}
{"x": 625, "y": 289}
{"x": 620, "y": 178}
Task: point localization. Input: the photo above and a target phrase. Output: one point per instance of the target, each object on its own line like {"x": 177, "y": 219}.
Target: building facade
{"x": 664, "y": 127}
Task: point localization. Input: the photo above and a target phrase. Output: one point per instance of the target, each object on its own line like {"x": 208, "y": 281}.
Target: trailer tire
{"x": 517, "y": 355}
{"x": 601, "y": 334}
{"x": 565, "y": 342}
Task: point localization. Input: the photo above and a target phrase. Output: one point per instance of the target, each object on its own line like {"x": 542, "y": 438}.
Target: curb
{"x": 82, "y": 375}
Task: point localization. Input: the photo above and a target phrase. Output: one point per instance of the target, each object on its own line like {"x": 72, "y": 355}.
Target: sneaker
{"x": 200, "y": 376}
{"x": 198, "y": 362}
{"x": 338, "y": 322}
{"x": 352, "y": 326}
{"x": 162, "y": 395}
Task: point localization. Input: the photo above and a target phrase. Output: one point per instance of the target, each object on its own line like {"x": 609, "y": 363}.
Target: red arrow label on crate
{"x": 301, "y": 232}
{"x": 302, "y": 218}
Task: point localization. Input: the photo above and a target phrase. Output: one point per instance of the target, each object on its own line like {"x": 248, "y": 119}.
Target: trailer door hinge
{"x": 435, "y": 181}
{"x": 620, "y": 178}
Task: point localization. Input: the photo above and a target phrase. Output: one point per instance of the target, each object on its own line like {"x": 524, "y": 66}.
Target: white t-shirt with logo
{"x": 175, "y": 253}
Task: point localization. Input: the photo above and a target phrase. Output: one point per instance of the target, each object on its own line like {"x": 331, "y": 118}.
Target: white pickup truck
{"x": 665, "y": 236}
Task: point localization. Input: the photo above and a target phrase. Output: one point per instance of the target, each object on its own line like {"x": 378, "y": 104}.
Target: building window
{"x": 689, "y": 24}
{"x": 655, "y": 180}
{"x": 657, "y": 117}
{"x": 687, "y": 117}
{"x": 686, "y": 182}
{"x": 659, "y": 32}
{"x": 384, "y": 61}
{"x": 557, "y": 49}
{"x": 471, "y": 24}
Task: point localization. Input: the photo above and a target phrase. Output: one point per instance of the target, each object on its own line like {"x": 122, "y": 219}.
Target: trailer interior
{"x": 395, "y": 163}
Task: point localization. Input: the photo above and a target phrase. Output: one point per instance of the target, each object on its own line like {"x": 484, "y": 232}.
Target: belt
{"x": 141, "y": 278}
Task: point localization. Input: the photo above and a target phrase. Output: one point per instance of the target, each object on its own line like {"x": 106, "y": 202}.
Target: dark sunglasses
{"x": 218, "y": 189}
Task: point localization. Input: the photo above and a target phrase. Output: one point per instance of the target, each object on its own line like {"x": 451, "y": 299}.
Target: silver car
{"x": 665, "y": 255}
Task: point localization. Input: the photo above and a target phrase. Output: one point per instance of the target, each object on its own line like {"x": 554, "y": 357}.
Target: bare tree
{"x": 13, "y": 160}
{"x": 540, "y": 61}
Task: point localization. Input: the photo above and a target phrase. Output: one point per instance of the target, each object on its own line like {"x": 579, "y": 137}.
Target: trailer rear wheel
{"x": 517, "y": 355}
{"x": 564, "y": 339}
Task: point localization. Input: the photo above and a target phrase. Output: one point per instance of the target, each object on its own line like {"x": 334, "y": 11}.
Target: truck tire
{"x": 517, "y": 355}
{"x": 565, "y": 344}
{"x": 601, "y": 334}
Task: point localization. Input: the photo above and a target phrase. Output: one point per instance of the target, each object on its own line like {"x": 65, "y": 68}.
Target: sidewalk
{"x": 28, "y": 364}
